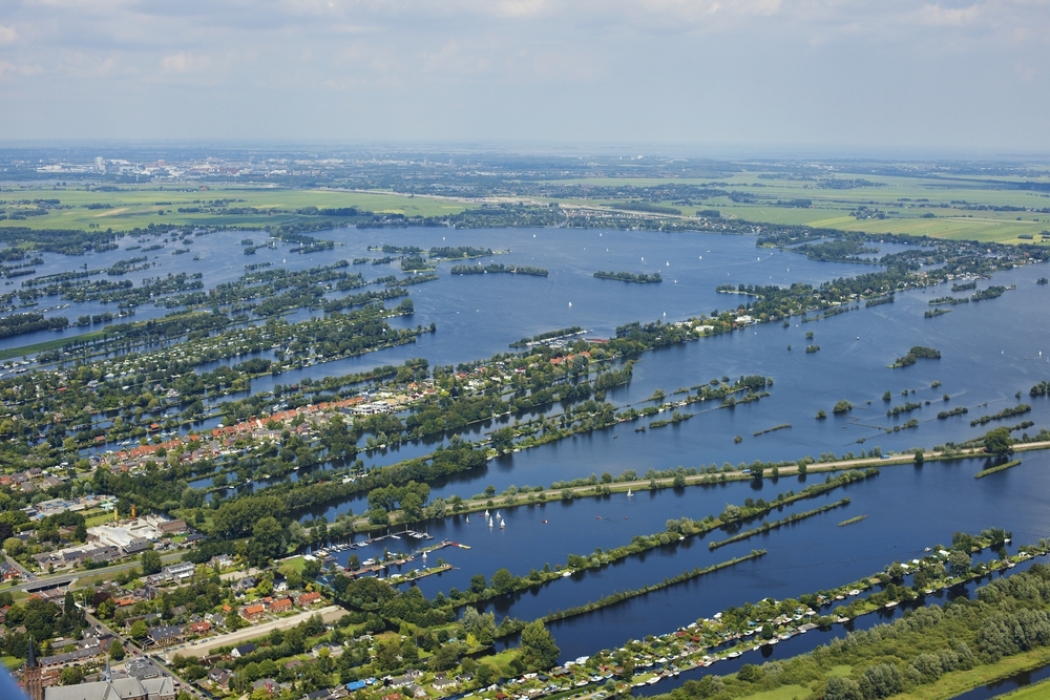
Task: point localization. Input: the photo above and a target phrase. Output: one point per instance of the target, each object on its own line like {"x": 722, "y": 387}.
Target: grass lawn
{"x": 11, "y": 662}
{"x": 502, "y": 660}
{"x": 97, "y": 517}
{"x": 292, "y": 564}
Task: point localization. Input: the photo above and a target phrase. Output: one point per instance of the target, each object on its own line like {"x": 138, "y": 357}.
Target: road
{"x": 133, "y": 650}
{"x": 204, "y": 647}
{"x": 41, "y": 583}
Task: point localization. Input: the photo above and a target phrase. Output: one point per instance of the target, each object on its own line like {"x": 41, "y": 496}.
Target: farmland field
{"x": 138, "y": 206}
{"x": 954, "y": 208}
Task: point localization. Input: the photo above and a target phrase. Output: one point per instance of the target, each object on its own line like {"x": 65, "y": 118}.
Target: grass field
{"x": 952, "y": 684}
{"x": 137, "y": 207}
{"x": 904, "y": 200}
{"x": 1038, "y": 691}
{"x": 47, "y": 345}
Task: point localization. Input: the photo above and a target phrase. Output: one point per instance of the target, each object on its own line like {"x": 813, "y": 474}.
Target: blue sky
{"x": 854, "y": 75}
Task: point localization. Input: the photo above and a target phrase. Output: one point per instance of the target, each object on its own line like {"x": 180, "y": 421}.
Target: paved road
{"x": 135, "y": 651}
{"x": 40, "y": 583}
{"x": 205, "y": 646}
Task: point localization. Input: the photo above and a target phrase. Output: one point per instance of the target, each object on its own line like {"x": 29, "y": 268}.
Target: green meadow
{"x": 137, "y": 207}
{"x": 903, "y": 202}
{"x": 942, "y": 207}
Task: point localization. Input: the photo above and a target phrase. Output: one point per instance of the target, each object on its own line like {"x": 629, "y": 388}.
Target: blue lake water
{"x": 907, "y": 509}
{"x": 991, "y": 350}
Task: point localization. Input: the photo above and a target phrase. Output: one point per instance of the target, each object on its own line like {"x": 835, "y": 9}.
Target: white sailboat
{"x": 490, "y": 522}
{"x": 468, "y": 520}
{"x": 502, "y": 524}
{"x": 486, "y": 513}
{"x": 629, "y": 494}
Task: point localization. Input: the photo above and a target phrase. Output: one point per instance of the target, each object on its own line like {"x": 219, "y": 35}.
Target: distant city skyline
{"x": 742, "y": 78}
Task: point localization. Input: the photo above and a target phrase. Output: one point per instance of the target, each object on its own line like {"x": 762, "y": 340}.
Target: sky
{"x": 966, "y": 76}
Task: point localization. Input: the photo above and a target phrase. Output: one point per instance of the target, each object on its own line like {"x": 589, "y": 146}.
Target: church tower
{"x": 31, "y": 675}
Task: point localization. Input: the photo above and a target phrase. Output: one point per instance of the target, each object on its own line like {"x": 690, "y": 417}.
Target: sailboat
{"x": 490, "y": 522}
{"x": 629, "y": 494}
{"x": 502, "y": 524}
{"x": 486, "y": 512}
{"x": 468, "y": 520}
{"x": 496, "y": 515}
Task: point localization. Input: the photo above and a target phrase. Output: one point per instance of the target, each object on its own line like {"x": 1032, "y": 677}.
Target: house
{"x": 84, "y": 651}
{"x": 444, "y": 685}
{"x": 220, "y": 677}
{"x": 253, "y": 612}
{"x": 307, "y": 599}
{"x": 223, "y": 561}
{"x": 334, "y": 650}
{"x": 415, "y": 691}
{"x": 244, "y": 584}
{"x": 165, "y": 634}
{"x": 410, "y": 677}
{"x": 200, "y": 627}
{"x": 242, "y": 650}
{"x": 179, "y": 572}
{"x": 281, "y": 605}
{"x": 8, "y": 572}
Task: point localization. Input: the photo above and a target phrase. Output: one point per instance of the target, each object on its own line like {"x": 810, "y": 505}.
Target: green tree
{"x": 503, "y": 581}
{"x": 485, "y": 674}
{"x": 116, "y": 651}
{"x": 72, "y": 675}
{"x": 998, "y": 442}
{"x": 386, "y": 656}
{"x": 842, "y": 688}
{"x": 958, "y": 563}
{"x": 268, "y": 541}
{"x": 151, "y": 563}
{"x": 139, "y": 630}
{"x": 538, "y": 649}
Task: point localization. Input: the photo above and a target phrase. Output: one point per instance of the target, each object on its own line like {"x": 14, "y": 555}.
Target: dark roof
{"x": 164, "y": 632}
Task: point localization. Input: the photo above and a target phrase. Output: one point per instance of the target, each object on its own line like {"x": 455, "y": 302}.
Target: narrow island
{"x": 916, "y": 353}
{"x": 495, "y": 268}
{"x": 637, "y": 277}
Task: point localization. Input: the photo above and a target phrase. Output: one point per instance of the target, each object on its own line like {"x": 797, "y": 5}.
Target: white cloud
{"x": 183, "y": 63}
{"x": 728, "y": 68}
